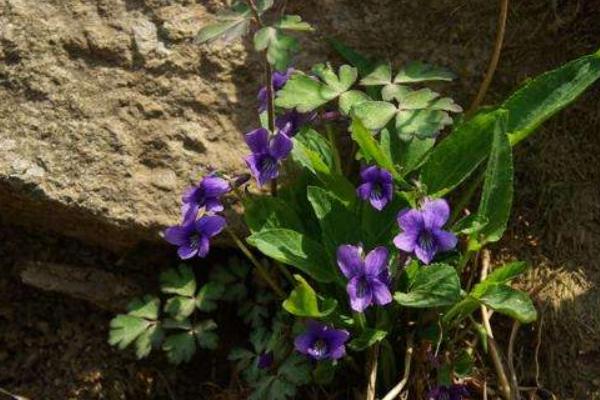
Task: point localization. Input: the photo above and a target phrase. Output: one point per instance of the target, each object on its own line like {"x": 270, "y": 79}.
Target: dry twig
{"x": 392, "y": 394}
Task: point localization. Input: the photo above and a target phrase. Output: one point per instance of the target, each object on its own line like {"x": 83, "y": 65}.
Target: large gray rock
{"x": 108, "y": 109}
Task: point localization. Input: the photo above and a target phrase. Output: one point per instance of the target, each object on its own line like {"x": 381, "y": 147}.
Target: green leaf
{"x": 340, "y": 82}
{"x": 316, "y": 153}
{"x": 420, "y": 72}
{"x": 463, "y": 364}
{"x": 180, "y": 281}
{"x": 205, "y": 337}
{"x": 338, "y": 224}
{"x": 230, "y": 25}
{"x": 549, "y": 93}
{"x": 180, "y": 307}
{"x": 324, "y": 373}
{"x": 303, "y": 93}
{"x": 296, "y": 370}
{"x": 139, "y": 326}
{"x": 293, "y": 248}
{"x": 208, "y": 295}
{"x": 394, "y": 92}
{"x": 375, "y": 114}
{"x": 436, "y": 285}
{"x": 381, "y": 75}
{"x": 293, "y": 23}
{"x": 232, "y": 276}
{"x": 500, "y": 275}
{"x": 267, "y": 212}
{"x": 367, "y": 339}
{"x": 351, "y": 98}
{"x": 369, "y": 147}
{"x": 457, "y": 156}
{"x": 362, "y": 63}
{"x": 303, "y": 301}
{"x": 422, "y": 124}
{"x": 180, "y": 347}
{"x": 380, "y": 226}
{"x": 280, "y": 47}
{"x": 511, "y": 302}
{"x": 497, "y": 193}
{"x": 471, "y": 224}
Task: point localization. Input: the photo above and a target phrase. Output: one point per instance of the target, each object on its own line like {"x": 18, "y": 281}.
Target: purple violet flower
{"x": 452, "y": 392}
{"x": 422, "y": 231}
{"x": 369, "y": 279}
{"x": 321, "y": 342}
{"x": 266, "y": 154}
{"x": 377, "y": 186}
{"x": 290, "y": 123}
{"x": 265, "y": 360}
{"x": 206, "y": 194}
{"x": 193, "y": 237}
{"x": 279, "y": 79}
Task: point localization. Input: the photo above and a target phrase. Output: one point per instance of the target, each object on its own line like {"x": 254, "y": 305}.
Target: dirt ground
{"x": 53, "y": 347}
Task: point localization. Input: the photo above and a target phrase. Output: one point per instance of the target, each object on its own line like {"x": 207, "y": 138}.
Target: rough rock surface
{"x": 109, "y": 109}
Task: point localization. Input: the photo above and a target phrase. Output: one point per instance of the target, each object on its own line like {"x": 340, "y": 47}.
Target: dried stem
{"x": 392, "y": 394}
{"x": 372, "y": 373}
{"x": 264, "y": 274}
{"x": 489, "y": 74}
{"x": 493, "y": 346}
{"x": 514, "y": 382}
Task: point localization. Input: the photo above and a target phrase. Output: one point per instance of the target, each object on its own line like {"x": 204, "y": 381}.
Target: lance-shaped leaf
{"x": 279, "y": 46}
{"x": 435, "y": 285}
{"x": 545, "y": 95}
{"x": 293, "y": 248}
{"x": 497, "y": 194}
{"x": 369, "y": 147}
{"x": 303, "y": 301}
{"x": 293, "y": 23}
{"x": 420, "y": 72}
{"x": 367, "y": 339}
{"x": 458, "y": 155}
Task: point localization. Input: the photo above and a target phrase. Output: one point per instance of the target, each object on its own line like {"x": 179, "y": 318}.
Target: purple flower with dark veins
{"x": 322, "y": 342}
{"x": 279, "y": 79}
{"x": 422, "y": 232}
{"x": 267, "y": 152}
{"x": 290, "y": 123}
{"x": 452, "y": 392}
{"x": 377, "y": 186}
{"x": 193, "y": 237}
{"x": 206, "y": 194}
{"x": 369, "y": 279}
{"x": 265, "y": 360}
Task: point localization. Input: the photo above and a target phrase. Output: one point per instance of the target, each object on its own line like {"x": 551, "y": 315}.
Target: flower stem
{"x": 372, "y": 372}
{"x": 360, "y": 320}
{"x": 264, "y": 274}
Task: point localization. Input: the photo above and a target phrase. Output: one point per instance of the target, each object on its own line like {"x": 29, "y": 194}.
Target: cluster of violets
{"x": 369, "y": 281}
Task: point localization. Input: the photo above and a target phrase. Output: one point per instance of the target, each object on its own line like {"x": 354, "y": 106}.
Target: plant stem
{"x": 493, "y": 347}
{"x": 360, "y": 320}
{"x": 464, "y": 260}
{"x": 264, "y": 274}
{"x": 372, "y": 372}
{"x": 489, "y": 74}
{"x": 514, "y": 381}
{"x": 396, "y": 390}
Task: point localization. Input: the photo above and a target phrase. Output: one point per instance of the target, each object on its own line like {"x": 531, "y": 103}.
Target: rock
{"x": 109, "y": 109}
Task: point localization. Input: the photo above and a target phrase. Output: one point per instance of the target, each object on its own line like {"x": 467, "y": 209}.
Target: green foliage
{"x": 497, "y": 194}
{"x": 456, "y": 157}
{"x": 181, "y": 347}
{"x": 294, "y": 248}
{"x": 367, "y": 339}
{"x": 266, "y": 212}
{"x": 231, "y": 24}
{"x": 303, "y": 301}
{"x": 362, "y": 63}
{"x": 436, "y": 285}
{"x": 280, "y": 47}
{"x": 545, "y": 95}
{"x": 421, "y": 72}
{"x": 139, "y": 326}
{"x": 293, "y": 23}
{"x": 232, "y": 276}
{"x": 369, "y": 147}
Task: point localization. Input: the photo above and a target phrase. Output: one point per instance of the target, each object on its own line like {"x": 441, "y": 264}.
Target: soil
{"x": 52, "y": 347}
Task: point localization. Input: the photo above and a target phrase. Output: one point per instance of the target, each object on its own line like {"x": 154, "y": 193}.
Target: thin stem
{"x": 284, "y": 271}
{"x": 396, "y": 390}
{"x": 489, "y": 74}
{"x": 514, "y": 381}
{"x": 372, "y": 373}
{"x": 493, "y": 347}
{"x": 464, "y": 260}
{"x": 360, "y": 320}
{"x": 264, "y": 274}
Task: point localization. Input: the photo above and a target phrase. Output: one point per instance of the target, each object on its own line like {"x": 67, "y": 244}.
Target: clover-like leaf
{"x": 381, "y": 75}
{"x": 205, "y": 335}
{"x": 140, "y": 326}
{"x": 420, "y": 72}
{"x": 232, "y": 276}
{"x": 303, "y": 301}
{"x": 180, "y": 347}
{"x": 279, "y": 46}
{"x": 350, "y": 98}
{"x": 340, "y": 82}
{"x": 180, "y": 281}
{"x": 304, "y": 93}
{"x": 293, "y": 23}
{"x": 180, "y": 307}
{"x": 208, "y": 295}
